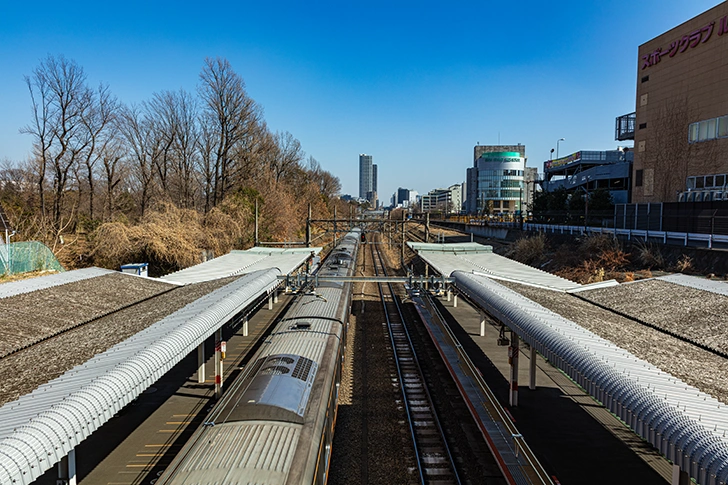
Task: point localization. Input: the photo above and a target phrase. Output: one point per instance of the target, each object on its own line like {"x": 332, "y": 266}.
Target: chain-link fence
{"x": 22, "y": 257}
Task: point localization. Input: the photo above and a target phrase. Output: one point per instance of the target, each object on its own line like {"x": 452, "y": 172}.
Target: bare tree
{"x": 327, "y": 183}
{"x": 97, "y": 122}
{"x": 288, "y": 156}
{"x": 176, "y": 117}
{"x": 61, "y": 102}
{"x": 231, "y": 116}
{"x": 113, "y": 173}
{"x": 144, "y": 147}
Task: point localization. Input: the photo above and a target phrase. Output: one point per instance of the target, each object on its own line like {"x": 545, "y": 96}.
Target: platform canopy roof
{"x": 39, "y": 429}
{"x": 286, "y": 260}
{"x": 687, "y": 425}
{"x": 473, "y": 257}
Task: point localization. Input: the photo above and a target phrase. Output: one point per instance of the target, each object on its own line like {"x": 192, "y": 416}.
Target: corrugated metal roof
{"x": 688, "y": 426}
{"x": 489, "y": 263}
{"x": 240, "y": 262}
{"x": 33, "y": 284}
{"x": 719, "y": 287}
{"x": 261, "y": 452}
{"x": 38, "y": 429}
{"x": 468, "y": 247}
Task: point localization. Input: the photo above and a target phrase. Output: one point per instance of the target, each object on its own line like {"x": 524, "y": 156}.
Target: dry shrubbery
{"x": 684, "y": 264}
{"x": 528, "y": 250}
{"x": 590, "y": 259}
{"x": 649, "y": 255}
{"x": 170, "y": 238}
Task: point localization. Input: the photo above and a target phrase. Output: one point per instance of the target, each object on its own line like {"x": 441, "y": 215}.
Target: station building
{"x": 495, "y": 181}
{"x": 680, "y": 124}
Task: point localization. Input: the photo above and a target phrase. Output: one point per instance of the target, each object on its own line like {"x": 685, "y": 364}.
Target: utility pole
{"x": 257, "y": 240}
{"x": 404, "y": 218}
{"x": 334, "y": 226}
{"x": 308, "y": 228}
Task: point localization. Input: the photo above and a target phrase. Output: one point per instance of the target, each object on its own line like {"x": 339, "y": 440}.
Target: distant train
{"x": 275, "y": 424}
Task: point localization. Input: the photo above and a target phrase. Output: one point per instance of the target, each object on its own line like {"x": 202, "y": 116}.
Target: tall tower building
{"x": 367, "y": 176}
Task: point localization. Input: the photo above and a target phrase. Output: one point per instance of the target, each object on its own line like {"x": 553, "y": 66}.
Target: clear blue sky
{"x": 415, "y": 84}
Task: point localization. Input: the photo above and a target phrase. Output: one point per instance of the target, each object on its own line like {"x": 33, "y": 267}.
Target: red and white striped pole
{"x": 218, "y": 363}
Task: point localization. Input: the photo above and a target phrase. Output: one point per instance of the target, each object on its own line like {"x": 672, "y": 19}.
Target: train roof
{"x": 263, "y": 451}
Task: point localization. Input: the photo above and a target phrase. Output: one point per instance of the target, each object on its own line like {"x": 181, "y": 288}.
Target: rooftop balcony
{"x": 624, "y": 127}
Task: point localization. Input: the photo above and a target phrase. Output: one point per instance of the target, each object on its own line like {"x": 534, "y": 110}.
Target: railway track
{"x": 434, "y": 459}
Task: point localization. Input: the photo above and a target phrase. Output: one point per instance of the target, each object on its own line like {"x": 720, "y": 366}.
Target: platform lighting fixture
{"x": 557, "y": 146}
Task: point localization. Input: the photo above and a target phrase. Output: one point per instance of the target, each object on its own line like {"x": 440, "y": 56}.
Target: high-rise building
{"x": 367, "y": 178}
{"x": 495, "y": 181}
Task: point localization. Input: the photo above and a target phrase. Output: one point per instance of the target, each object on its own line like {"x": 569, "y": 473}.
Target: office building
{"x": 365, "y": 175}
{"x": 495, "y": 181}
{"x": 680, "y": 124}
{"x": 447, "y": 200}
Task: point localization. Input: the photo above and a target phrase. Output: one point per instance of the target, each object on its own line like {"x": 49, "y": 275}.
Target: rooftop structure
{"x": 591, "y": 170}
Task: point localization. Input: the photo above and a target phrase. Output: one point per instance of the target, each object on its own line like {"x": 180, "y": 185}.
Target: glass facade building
{"x": 495, "y": 183}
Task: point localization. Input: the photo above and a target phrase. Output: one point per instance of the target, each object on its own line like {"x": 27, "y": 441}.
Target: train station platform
{"x": 685, "y": 424}
{"x": 575, "y": 438}
{"x": 50, "y": 419}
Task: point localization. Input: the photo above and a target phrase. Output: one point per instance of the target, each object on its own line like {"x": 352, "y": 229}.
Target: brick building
{"x": 680, "y": 124}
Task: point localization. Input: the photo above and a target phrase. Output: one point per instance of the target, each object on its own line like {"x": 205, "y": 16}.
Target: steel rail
{"x": 403, "y": 350}
{"x": 533, "y": 470}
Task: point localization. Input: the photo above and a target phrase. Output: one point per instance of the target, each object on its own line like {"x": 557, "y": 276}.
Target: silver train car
{"x": 275, "y": 423}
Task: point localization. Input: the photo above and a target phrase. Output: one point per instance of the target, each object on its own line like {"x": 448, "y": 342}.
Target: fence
{"x": 22, "y": 257}
{"x": 683, "y": 217}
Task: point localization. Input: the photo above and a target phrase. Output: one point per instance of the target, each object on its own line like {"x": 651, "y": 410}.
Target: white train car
{"x": 275, "y": 424}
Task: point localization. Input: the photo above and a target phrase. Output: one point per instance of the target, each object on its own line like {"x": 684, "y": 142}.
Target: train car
{"x": 275, "y": 424}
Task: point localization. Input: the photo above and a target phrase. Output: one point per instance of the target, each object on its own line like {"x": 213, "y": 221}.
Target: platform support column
{"x": 275, "y": 295}
{"x": 455, "y": 300}
{"x": 532, "y": 370}
{"x": 449, "y": 294}
{"x": 270, "y": 301}
{"x": 482, "y": 324}
{"x": 67, "y": 469}
{"x": 201, "y": 362}
{"x": 513, "y": 361}
{"x": 679, "y": 476}
{"x": 218, "y": 363}
{"x": 245, "y": 326}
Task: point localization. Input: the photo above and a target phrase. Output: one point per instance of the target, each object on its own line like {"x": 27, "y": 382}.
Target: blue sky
{"x": 414, "y": 84}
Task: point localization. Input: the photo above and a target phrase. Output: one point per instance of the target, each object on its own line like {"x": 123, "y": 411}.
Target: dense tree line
{"x": 100, "y": 168}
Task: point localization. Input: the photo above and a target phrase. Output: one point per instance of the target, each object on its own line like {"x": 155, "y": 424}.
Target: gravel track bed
{"x": 700, "y": 368}
{"x": 688, "y": 312}
{"x": 24, "y": 371}
{"x": 370, "y": 442}
{"x": 31, "y": 317}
